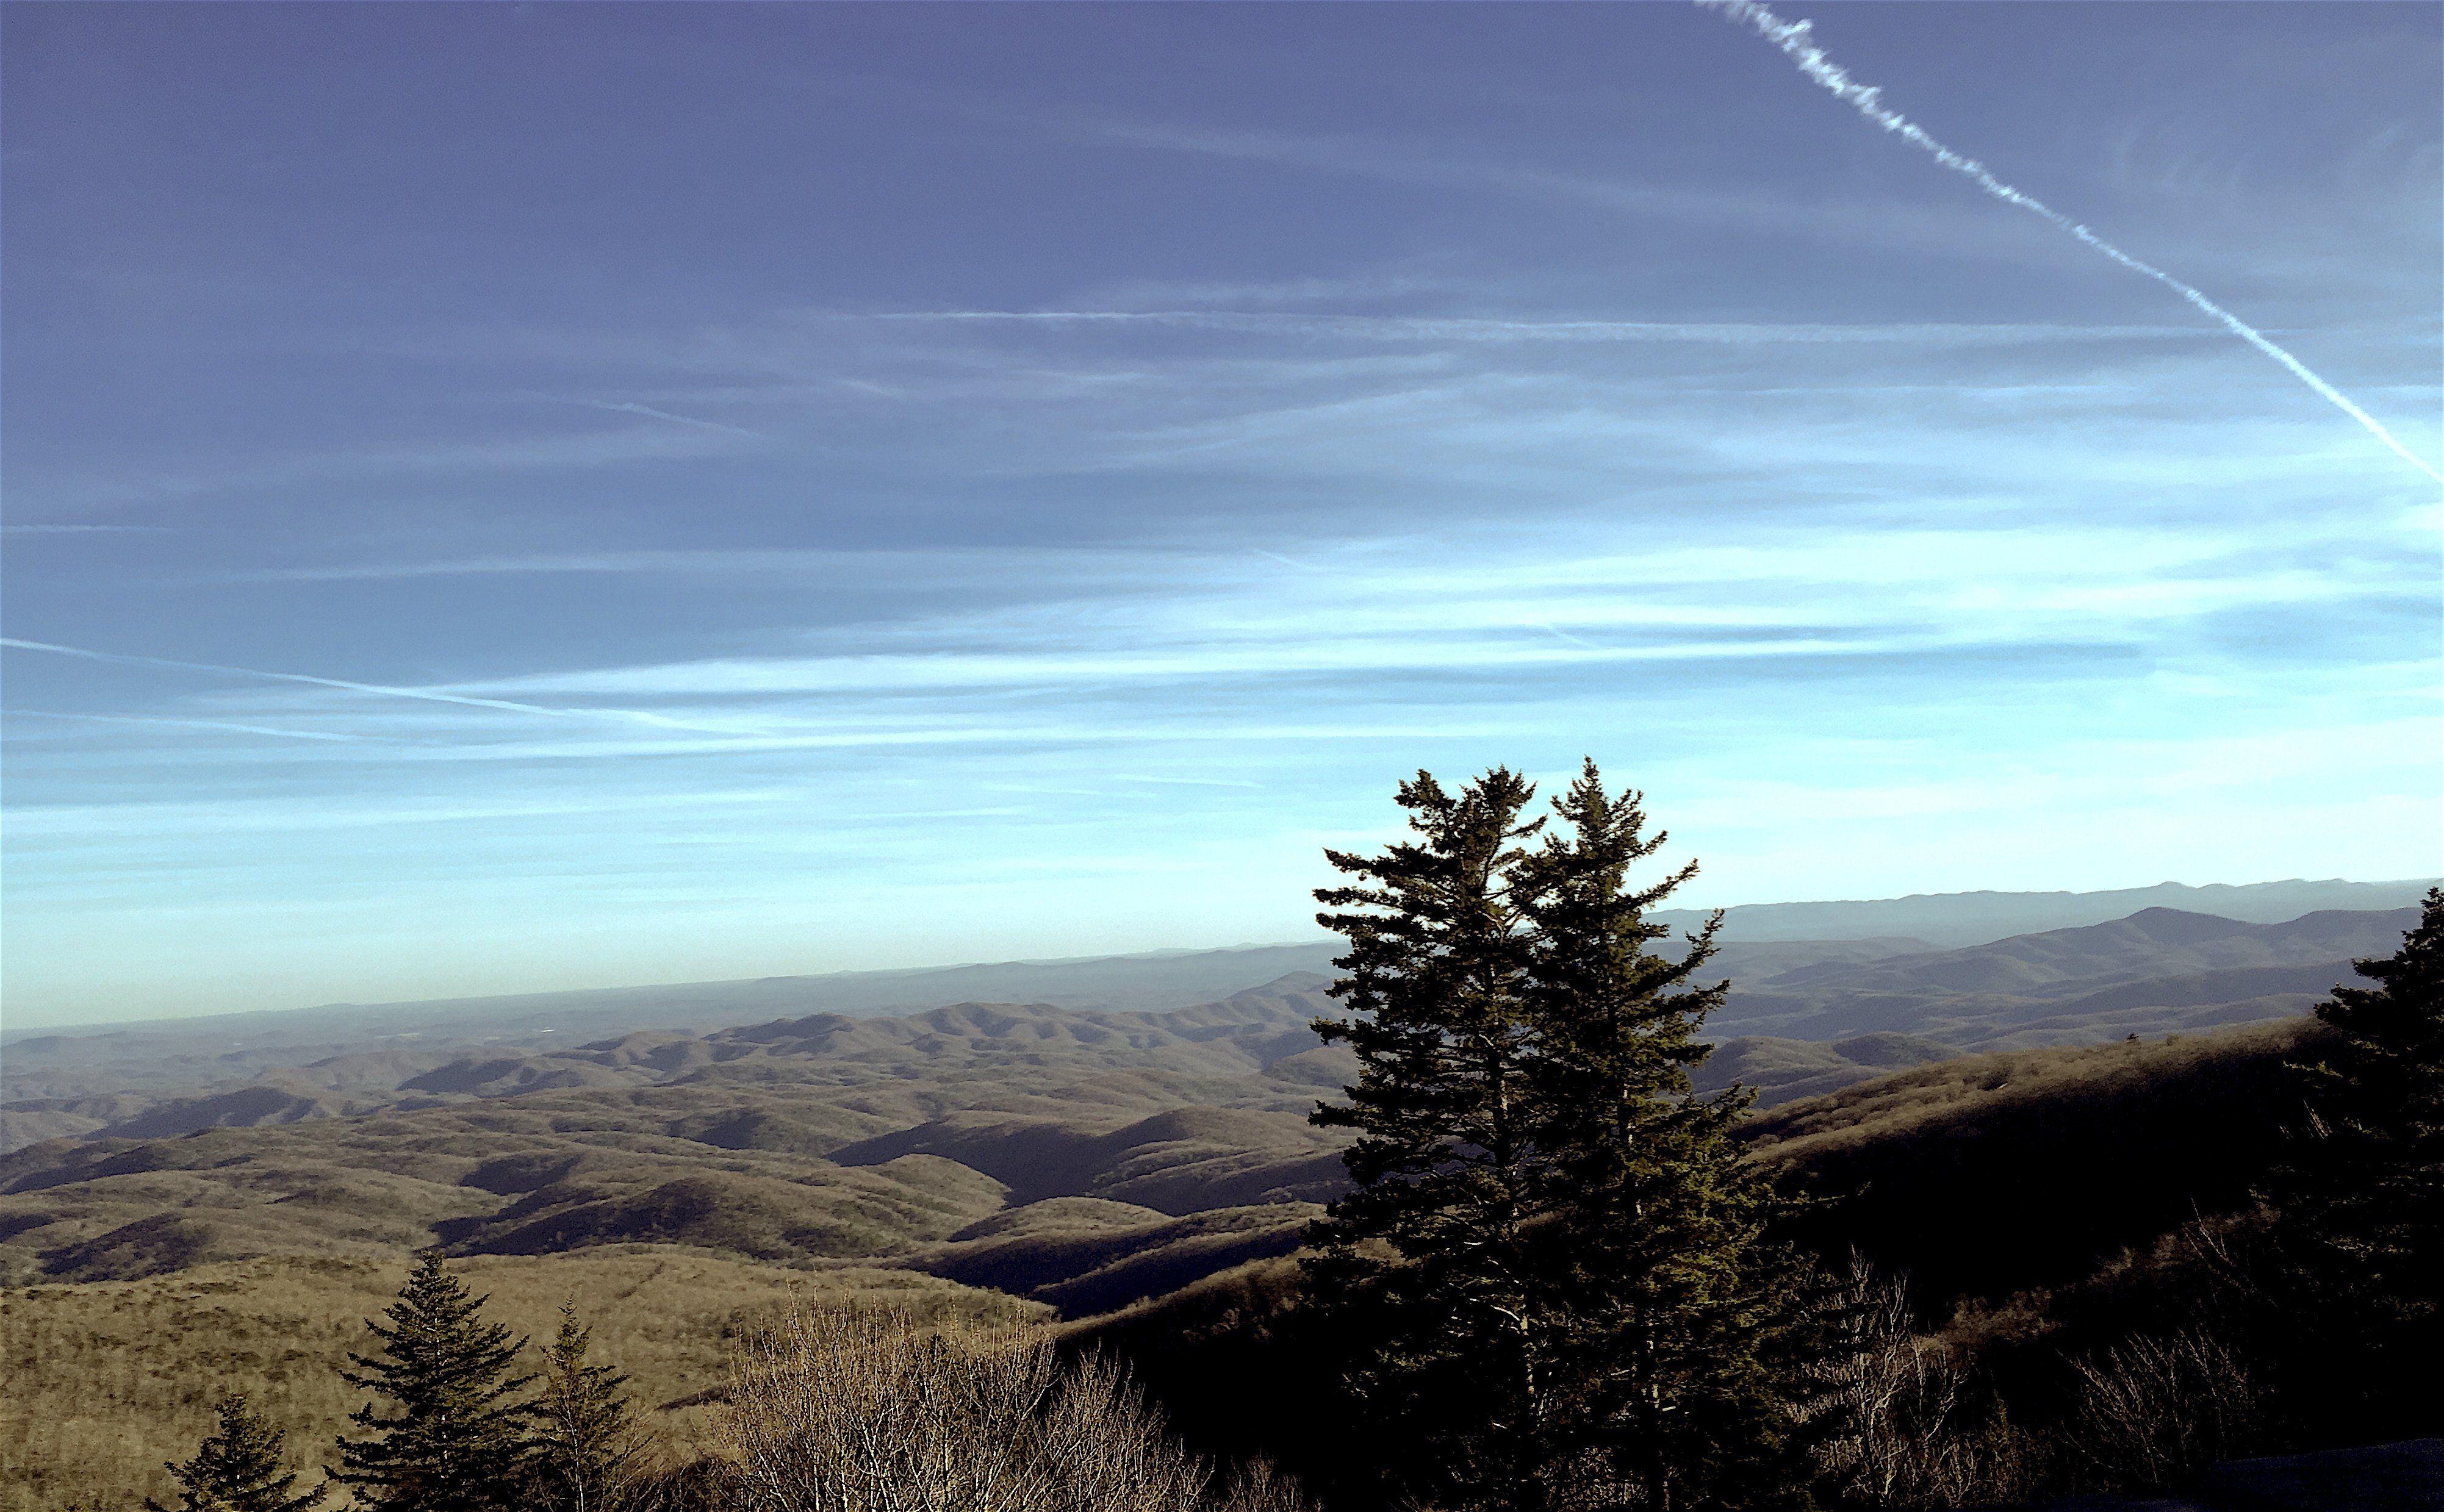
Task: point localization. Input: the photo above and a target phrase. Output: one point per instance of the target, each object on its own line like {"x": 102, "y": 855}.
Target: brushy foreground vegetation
{"x": 864, "y": 1407}
{"x": 844, "y": 1409}
{"x": 106, "y": 1381}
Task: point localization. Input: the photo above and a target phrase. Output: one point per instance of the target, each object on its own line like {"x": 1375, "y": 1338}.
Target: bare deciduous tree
{"x": 1896, "y": 1423}
{"x": 2160, "y": 1407}
{"x": 841, "y": 1410}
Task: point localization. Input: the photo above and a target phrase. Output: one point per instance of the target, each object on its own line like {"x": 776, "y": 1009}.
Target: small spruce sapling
{"x": 241, "y": 1466}
{"x": 590, "y": 1450}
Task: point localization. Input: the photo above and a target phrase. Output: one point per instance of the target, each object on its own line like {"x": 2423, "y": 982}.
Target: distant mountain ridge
{"x": 1802, "y": 1017}
{"x": 1159, "y": 979}
{"x": 2158, "y": 970}
{"x": 1147, "y": 980}
{"x": 1974, "y": 918}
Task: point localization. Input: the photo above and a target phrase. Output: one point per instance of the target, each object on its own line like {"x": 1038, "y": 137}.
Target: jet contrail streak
{"x": 421, "y": 695}
{"x": 182, "y": 724}
{"x": 1791, "y": 37}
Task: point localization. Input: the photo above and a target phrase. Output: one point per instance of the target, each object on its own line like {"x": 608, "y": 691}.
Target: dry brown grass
{"x": 104, "y": 1380}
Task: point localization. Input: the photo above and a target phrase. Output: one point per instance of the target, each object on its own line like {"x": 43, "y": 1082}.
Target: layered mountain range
{"x": 1802, "y": 1017}
{"x": 1081, "y": 1156}
{"x": 175, "y": 1056}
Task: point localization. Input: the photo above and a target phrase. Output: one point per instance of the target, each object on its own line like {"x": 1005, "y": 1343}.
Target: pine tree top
{"x": 241, "y": 1466}
{"x": 436, "y": 1340}
{"x": 2396, "y": 1028}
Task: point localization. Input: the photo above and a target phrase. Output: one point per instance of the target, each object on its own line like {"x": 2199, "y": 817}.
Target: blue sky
{"x": 730, "y": 491}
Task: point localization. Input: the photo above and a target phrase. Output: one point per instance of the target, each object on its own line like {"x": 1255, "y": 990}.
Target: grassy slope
{"x": 106, "y": 1380}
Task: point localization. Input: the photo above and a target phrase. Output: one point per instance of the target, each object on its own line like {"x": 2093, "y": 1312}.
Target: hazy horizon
{"x": 507, "y": 498}
{"x": 133, "y": 1017}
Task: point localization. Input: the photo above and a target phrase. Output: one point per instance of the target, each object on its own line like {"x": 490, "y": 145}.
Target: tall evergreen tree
{"x": 1426, "y": 1261}
{"x": 241, "y": 1466}
{"x": 1553, "y": 1260}
{"x": 1675, "y": 1311}
{"x": 589, "y": 1449}
{"x": 2364, "y": 1207}
{"x": 456, "y": 1440}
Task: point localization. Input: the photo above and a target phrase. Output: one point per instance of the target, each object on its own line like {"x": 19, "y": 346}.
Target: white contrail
{"x": 650, "y": 412}
{"x": 1791, "y": 37}
{"x": 428, "y": 695}
{"x": 182, "y": 724}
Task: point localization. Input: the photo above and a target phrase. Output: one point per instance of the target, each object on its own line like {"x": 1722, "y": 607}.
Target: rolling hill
{"x": 1803, "y": 1017}
{"x": 1084, "y": 1158}
{"x": 354, "y": 1048}
{"x": 1172, "y": 1143}
{"x": 1147, "y": 1173}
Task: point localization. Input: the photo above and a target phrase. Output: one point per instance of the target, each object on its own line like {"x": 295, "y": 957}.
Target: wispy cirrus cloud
{"x": 512, "y": 455}
{"x": 1056, "y": 482}
{"x": 1883, "y": 223}
{"x": 649, "y": 411}
{"x": 946, "y": 564}
{"x": 1448, "y": 329}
